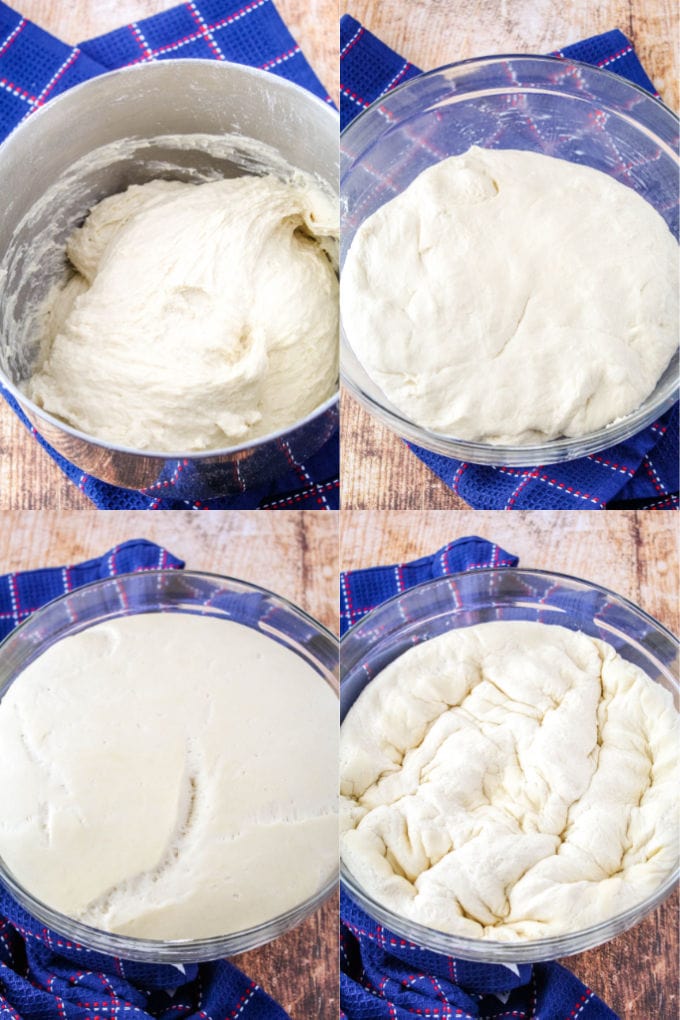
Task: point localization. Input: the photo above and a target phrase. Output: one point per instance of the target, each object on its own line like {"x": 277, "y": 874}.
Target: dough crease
{"x": 157, "y": 779}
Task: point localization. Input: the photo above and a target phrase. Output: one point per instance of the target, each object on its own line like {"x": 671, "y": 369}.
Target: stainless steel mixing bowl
{"x": 167, "y": 98}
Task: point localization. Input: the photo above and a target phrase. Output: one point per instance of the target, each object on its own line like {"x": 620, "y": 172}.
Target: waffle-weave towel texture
{"x": 35, "y": 66}
{"x": 640, "y": 473}
{"x": 384, "y": 976}
{"x": 43, "y": 976}
{"x": 363, "y": 590}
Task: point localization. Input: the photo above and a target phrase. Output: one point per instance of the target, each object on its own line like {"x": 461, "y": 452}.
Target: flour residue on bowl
{"x": 198, "y": 313}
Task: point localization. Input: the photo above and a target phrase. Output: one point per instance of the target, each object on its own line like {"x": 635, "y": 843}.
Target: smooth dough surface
{"x": 200, "y": 316}
{"x": 169, "y": 776}
{"x": 511, "y": 297}
{"x": 510, "y": 780}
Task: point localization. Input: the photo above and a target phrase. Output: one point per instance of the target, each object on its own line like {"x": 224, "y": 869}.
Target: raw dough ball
{"x": 510, "y": 297}
{"x": 200, "y": 317}
{"x": 510, "y": 780}
{"x": 169, "y": 776}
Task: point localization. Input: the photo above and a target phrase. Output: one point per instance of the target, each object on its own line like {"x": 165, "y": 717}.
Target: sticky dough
{"x": 199, "y": 317}
{"x": 169, "y": 776}
{"x": 510, "y": 780}
{"x": 510, "y": 297}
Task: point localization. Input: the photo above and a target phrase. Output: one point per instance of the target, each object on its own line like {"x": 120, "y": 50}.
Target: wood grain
{"x": 29, "y": 479}
{"x": 294, "y": 554}
{"x": 634, "y": 554}
{"x": 434, "y": 32}
{"x": 377, "y": 470}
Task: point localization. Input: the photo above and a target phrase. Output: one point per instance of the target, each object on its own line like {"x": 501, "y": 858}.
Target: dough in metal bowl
{"x": 200, "y": 316}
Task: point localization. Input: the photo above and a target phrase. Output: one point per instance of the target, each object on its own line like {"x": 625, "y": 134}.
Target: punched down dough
{"x": 169, "y": 776}
{"x": 200, "y": 316}
{"x": 511, "y": 297}
{"x": 510, "y": 780}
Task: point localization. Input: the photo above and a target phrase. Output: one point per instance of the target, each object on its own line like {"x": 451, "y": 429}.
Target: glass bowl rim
{"x": 170, "y": 572}
{"x": 551, "y": 574}
{"x": 499, "y": 58}
{"x": 526, "y": 950}
{"x": 158, "y": 950}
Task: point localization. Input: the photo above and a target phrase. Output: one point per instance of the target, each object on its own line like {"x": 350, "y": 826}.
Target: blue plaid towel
{"x": 44, "y": 976}
{"x": 384, "y": 976}
{"x": 641, "y": 473}
{"x": 363, "y": 590}
{"x": 35, "y": 66}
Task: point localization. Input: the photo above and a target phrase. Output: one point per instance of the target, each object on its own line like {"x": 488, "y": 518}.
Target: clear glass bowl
{"x": 462, "y": 600}
{"x": 174, "y": 591}
{"x": 557, "y": 107}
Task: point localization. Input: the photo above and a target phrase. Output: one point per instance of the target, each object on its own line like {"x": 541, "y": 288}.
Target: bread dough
{"x": 200, "y": 316}
{"x": 169, "y": 776}
{"x": 510, "y": 780}
{"x": 510, "y": 297}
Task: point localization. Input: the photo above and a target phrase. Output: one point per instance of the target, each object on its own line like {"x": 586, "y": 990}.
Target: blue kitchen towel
{"x": 23, "y": 592}
{"x": 363, "y": 590}
{"x": 640, "y": 473}
{"x": 35, "y": 66}
{"x": 44, "y": 976}
{"x": 385, "y": 976}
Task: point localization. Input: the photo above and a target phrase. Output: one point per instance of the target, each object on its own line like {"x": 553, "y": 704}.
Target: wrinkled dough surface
{"x": 510, "y": 780}
{"x": 200, "y": 316}
{"x": 157, "y": 777}
{"x": 511, "y": 297}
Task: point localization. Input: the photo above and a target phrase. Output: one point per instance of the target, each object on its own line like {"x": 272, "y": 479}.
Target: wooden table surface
{"x": 29, "y": 479}
{"x": 377, "y": 469}
{"x": 293, "y": 554}
{"x": 634, "y": 554}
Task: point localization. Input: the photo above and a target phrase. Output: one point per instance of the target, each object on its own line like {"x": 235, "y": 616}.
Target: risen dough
{"x": 510, "y": 780}
{"x": 510, "y": 297}
{"x": 169, "y": 776}
{"x": 200, "y": 316}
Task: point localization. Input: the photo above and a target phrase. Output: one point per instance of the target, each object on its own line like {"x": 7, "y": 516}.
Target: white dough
{"x": 510, "y": 780}
{"x": 200, "y": 316}
{"x": 510, "y": 297}
{"x": 169, "y": 776}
